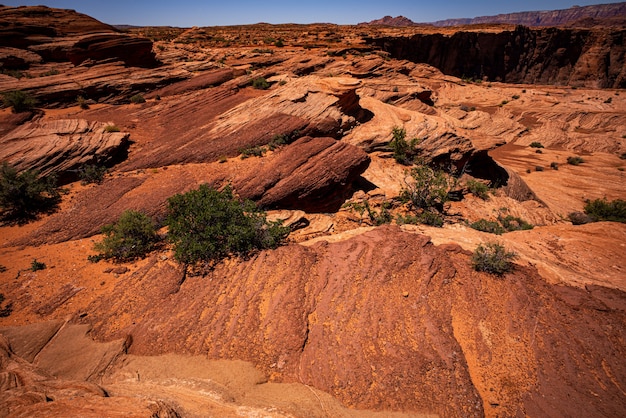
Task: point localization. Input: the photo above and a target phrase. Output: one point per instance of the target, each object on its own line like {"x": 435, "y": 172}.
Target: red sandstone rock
{"x": 134, "y": 52}
{"x": 312, "y": 174}
{"x": 61, "y": 146}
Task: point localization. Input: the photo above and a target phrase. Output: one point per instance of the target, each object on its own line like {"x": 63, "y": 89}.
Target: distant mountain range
{"x": 534, "y": 18}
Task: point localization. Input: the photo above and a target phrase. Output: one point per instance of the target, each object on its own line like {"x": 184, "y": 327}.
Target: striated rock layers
{"x": 312, "y": 174}
{"x": 62, "y": 35}
{"x": 545, "y": 18}
{"x": 62, "y": 146}
{"x": 385, "y": 320}
{"x": 577, "y": 57}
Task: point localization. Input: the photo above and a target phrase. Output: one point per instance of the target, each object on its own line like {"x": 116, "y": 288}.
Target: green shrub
{"x": 428, "y": 189}
{"x": 493, "y": 227}
{"x": 206, "y": 225}
{"x": 493, "y": 258}
{"x": 137, "y": 99}
{"x": 380, "y": 217}
{"x": 575, "y": 160}
{"x": 252, "y": 152}
{"x": 579, "y": 218}
{"x": 478, "y": 189}
{"x": 603, "y": 210}
{"x": 92, "y": 174}
{"x": 131, "y": 237}
{"x": 260, "y": 83}
{"x": 513, "y": 223}
{"x": 403, "y": 152}
{"x": 37, "y": 265}
{"x": 25, "y": 195}
{"x": 18, "y": 101}
{"x": 82, "y": 102}
{"x": 279, "y": 43}
{"x": 431, "y": 218}
{"x": 536, "y": 144}
{"x": 278, "y": 141}
{"x": 356, "y": 207}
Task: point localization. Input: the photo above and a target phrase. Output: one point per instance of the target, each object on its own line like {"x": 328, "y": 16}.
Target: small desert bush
{"x": 277, "y": 141}
{"x": 428, "y": 188}
{"x": 206, "y": 225}
{"x": 25, "y": 195}
{"x": 92, "y": 174}
{"x": 18, "y": 101}
{"x": 260, "y": 83}
{"x": 579, "y": 218}
{"x": 484, "y": 225}
{"x": 404, "y": 152}
{"x": 382, "y": 215}
{"x": 478, "y": 189}
{"x": 252, "y": 152}
{"x": 430, "y": 218}
{"x": 603, "y": 210}
{"x": 536, "y": 144}
{"x": 82, "y": 102}
{"x": 426, "y": 194}
{"x": 493, "y": 258}
{"x": 513, "y": 223}
{"x": 575, "y": 160}
{"x": 137, "y": 99}
{"x": 37, "y": 265}
{"x": 132, "y": 236}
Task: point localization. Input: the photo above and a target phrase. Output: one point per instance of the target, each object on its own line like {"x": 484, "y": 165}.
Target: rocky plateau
{"x": 350, "y": 318}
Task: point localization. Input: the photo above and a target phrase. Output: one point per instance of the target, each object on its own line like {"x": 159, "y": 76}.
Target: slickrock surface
{"x": 350, "y": 318}
{"x": 61, "y": 146}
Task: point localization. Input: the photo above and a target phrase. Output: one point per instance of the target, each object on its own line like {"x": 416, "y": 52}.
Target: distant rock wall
{"x": 591, "y": 58}
{"x": 545, "y": 18}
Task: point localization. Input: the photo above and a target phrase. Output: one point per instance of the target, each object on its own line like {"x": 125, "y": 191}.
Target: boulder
{"x": 134, "y": 52}
{"x": 312, "y": 174}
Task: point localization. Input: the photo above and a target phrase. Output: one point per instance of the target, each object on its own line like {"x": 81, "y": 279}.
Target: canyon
{"x": 352, "y": 317}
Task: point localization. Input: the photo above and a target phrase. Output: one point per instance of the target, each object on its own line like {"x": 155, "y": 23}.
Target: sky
{"x": 187, "y": 13}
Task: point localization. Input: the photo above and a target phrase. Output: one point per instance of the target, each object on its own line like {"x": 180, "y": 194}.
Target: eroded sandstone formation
{"x": 349, "y": 314}
{"x": 576, "y": 57}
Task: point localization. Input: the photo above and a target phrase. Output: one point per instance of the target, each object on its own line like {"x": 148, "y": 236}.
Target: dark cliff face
{"x": 544, "y": 56}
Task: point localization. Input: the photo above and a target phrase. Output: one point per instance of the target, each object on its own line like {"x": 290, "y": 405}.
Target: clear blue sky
{"x": 186, "y": 13}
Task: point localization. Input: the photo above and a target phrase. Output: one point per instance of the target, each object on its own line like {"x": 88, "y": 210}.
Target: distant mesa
{"x": 531, "y": 18}
{"x": 398, "y": 21}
